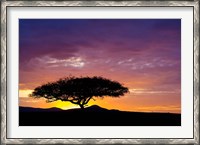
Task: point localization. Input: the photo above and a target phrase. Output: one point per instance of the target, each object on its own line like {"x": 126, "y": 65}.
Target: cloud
{"x": 153, "y": 91}
{"x": 76, "y": 62}
{"x": 25, "y": 100}
{"x": 46, "y": 62}
{"x": 159, "y": 108}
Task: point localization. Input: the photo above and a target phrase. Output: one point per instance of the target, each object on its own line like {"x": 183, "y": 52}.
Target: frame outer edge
{"x": 4, "y": 4}
{"x": 3, "y": 72}
{"x": 100, "y": 3}
{"x": 196, "y": 72}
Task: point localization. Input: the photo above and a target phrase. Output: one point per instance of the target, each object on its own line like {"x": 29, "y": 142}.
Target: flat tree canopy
{"x": 79, "y": 90}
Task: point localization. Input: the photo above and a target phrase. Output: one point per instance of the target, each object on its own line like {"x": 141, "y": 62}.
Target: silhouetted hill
{"x": 96, "y": 108}
{"x": 30, "y": 109}
{"x": 94, "y": 116}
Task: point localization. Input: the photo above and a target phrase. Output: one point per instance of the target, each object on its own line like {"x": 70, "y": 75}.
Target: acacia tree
{"x": 79, "y": 90}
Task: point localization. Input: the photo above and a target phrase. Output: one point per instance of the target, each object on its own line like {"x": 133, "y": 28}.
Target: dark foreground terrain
{"x": 94, "y": 116}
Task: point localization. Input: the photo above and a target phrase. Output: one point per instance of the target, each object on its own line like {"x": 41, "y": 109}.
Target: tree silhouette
{"x": 79, "y": 90}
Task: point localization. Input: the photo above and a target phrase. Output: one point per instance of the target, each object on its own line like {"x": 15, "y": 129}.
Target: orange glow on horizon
{"x": 139, "y": 99}
{"x": 123, "y": 103}
{"x": 25, "y": 93}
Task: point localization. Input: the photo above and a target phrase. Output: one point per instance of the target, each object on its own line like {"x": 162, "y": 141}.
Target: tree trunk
{"x": 82, "y": 107}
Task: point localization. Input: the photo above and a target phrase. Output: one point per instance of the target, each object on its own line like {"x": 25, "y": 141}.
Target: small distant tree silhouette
{"x": 79, "y": 90}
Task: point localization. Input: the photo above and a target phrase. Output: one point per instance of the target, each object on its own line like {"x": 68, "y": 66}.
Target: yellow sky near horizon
{"x": 130, "y": 102}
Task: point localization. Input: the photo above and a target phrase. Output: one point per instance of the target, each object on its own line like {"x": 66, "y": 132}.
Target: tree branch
{"x": 73, "y": 102}
{"x": 88, "y": 100}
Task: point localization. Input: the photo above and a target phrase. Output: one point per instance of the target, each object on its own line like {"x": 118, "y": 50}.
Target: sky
{"x": 142, "y": 54}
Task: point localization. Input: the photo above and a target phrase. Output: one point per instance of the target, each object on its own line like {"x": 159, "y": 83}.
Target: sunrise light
{"x": 142, "y": 54}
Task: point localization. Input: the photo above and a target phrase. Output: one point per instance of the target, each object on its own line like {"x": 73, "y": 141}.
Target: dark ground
{"x": 94, "y": 116}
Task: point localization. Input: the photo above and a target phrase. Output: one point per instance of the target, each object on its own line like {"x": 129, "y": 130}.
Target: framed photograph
{"x": 100, "y": 72}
